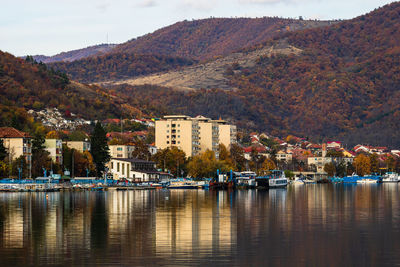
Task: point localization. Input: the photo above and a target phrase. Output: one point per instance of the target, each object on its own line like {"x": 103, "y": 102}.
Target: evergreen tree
{"x": 40, "y": 157}
{"x": 3, "y": 151}
{"x": 99, "y": 148}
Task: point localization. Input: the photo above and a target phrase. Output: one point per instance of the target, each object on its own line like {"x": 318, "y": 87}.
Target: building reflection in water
{"x": 298, "y": 225}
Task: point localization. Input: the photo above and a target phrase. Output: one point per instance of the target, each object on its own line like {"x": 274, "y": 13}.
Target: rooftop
{"x": 133, "y": 160}
{"x": 9, "y": 132}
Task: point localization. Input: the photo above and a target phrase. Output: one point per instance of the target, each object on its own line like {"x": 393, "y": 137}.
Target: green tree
{"x": 40, "y": 157}
{"x": 3, "y": 151}
{"x": 99, "y": 148}
{"x": 330, "y": 169}
{"x": 374, "y": 163}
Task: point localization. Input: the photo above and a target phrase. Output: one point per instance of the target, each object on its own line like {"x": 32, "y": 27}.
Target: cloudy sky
{"x": 52, "y": 26}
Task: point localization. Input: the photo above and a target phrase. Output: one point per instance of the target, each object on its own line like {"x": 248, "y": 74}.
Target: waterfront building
{"x": 121, "y": 151}
{"x": 133, "y": 169}
{"x": 320, "y": 162}
{"x": 17, "y": 143}
{"x": 193, "y": 135}
{"x": 81, "y": 146}
{"x": 54, "y": 147}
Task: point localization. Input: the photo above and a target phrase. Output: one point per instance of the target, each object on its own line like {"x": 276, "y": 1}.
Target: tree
{"x": 171, "y": 159}
{"x": 374, "y": 163}
{"x": 206, "y": 165}
{"x": 40, "y": 157}
{"x": 362, "y": 164}
{"x": 3, "y": 151}
{"x": 334, "y": 154}
{"x": 330, "y": 169}
{"x": 238, "y": 160}
{"x": 141, "y": 150}
{"x": 4, "y": 169}
{"x": 99, "y": 148}
{"x": 267, "y": 166}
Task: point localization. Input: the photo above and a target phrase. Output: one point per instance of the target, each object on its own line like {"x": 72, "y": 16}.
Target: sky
{"x": 48, "y": 27}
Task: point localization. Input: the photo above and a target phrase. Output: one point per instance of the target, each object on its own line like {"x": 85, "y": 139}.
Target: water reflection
{"x": 300, "y": 225}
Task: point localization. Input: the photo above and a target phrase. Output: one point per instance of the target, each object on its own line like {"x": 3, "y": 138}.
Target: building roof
{"x": 133, "y": 160}
{"x": 10, "y": 132}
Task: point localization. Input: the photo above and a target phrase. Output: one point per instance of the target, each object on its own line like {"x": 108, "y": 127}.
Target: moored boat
{"x": 390, "y": 177}
{"x": 367, "y": 181}
{"x": 277, "y": 179}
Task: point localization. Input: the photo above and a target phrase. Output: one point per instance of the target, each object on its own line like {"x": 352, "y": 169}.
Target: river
{"x": 309, "y": 225}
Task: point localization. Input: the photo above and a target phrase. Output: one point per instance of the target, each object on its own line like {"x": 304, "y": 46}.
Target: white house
{"x": 135, "y": 170}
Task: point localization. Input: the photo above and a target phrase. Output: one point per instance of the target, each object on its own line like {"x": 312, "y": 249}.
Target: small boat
{"x": 183, "y": 185}
{"x": 390, "y": 177}
{"x": 367, "y": 181}
{"x": 297, "y": 181}
{"x": 277, "y": 179}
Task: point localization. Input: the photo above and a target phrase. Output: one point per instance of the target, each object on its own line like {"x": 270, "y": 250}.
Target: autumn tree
{"x": 99, "y": 148}
{"x": 267, "y": 166}
{"x": 362, "y": 164}
{"x": 172, "y": 159}
{"x": 206, "y": 165}
{"x": 141, "y": 150}
{"x": 237, "y": 156}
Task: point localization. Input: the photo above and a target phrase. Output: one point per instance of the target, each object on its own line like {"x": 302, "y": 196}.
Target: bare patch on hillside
{"x": 209, "y": 75}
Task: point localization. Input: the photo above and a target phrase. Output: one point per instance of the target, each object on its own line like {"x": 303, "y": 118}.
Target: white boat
{"x": 367, "y": 181}
{"x": 278, "y": 179}
{"x": 297, "y": 181}
{"x": 390, "y": 177}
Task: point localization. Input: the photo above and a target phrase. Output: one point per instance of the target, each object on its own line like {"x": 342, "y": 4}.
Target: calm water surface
{"x": 312, "y": 225}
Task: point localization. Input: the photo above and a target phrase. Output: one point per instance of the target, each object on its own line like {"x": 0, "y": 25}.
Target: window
{"x": 173, "y": 125}
{"x": 179, "y": 131}
{"x": 119, "y": 148}
{"x": 167, "y": 136}
{"x": 179, "y": 136}
{"x": 167, "y": 131}
{"x": 179, "y": 125}
{"x": 123, "y": 168}
{"x": 167, "y": 142}
{"x": 118, "y": 167}
{"x": 112, "y": 165}
{"x": 167, "y": 125}
{"x": 179, "y": 142}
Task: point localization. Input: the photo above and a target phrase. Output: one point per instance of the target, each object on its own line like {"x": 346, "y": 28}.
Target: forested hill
{"x": 119, "y": 66}
{"x": 207, "y": 38}
{"x": 345, "y": 84}
{"x": 76, "y": 54}
{"x": 31, "y": 85}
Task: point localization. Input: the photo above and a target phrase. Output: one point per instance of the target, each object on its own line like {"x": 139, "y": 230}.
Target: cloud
{"x": 201, "y": 5}
{"x": 266, "y": 2}
{"x": 147, "y": 3}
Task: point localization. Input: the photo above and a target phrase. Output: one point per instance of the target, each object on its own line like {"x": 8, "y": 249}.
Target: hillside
{"x": 118, "y": 66}
{"x": 344, "y": 84}
{"x": 208, "y": 38}
{"x": 29, "y": 85}
{"x": 209, "y": 75}
{"x": 76, "y": 54}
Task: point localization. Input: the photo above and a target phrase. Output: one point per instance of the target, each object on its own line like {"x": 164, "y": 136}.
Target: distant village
{"x": 156, "y": 149}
